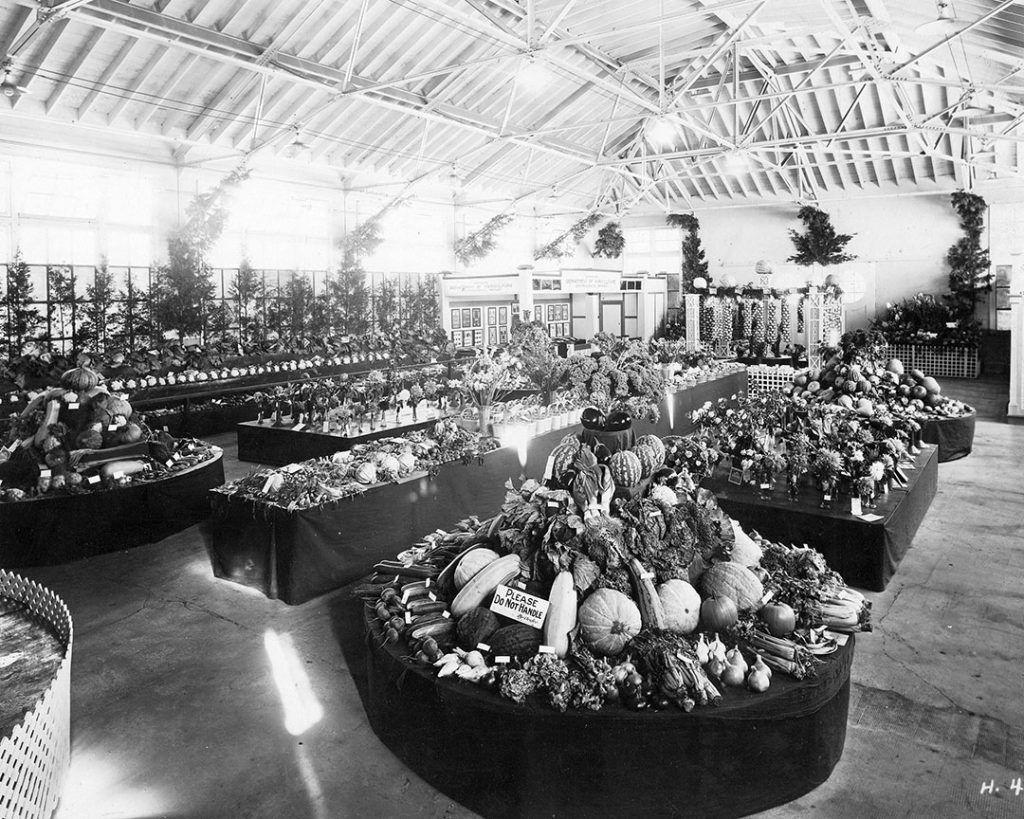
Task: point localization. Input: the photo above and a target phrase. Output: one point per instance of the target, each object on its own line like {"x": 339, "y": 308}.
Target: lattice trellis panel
{"x": 34, "y": 757}
{"x": 938, "y": 362}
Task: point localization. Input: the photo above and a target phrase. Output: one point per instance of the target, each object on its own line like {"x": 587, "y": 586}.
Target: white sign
{"x": 464, "y": 287}
{"x": 520, "y": 606}
{"x": 590, "y": 281}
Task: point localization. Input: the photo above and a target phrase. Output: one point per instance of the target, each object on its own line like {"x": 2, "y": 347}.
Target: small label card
{"x": 93, "y": 479}
{"x": 520, "y": 606}
{"x": 73, "y": 405}
{"x": 870, "y": 518}
{"x": 119, "y": 475}
{"x": 289, "y": 468}
{"x": 855, "y": 507}
{"x": 299, "y": 426}
{"x": 266, "y": 485}
{"x": 44, "y": 473}
{"x": 176, "y": 457}
{"x": 502, "y": 659}
{"x": 827, "y": 498}
{"x": 326, "y": 427}
{"x": 483, "y": 648}
{"x": 545, "y": 650}
{"x": 170, "y": 463}
{"x": 735, "y": 476}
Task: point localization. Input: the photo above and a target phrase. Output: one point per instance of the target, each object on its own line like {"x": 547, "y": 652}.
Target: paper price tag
{"x": 299, "y": 427}
{"x": 502, "y": 659}
{"x": 170, "y": 463}
{"x": 93, "y": 479}
{"x": 520, "y": 606}
{"x": 446, "y": 614}
{"x": 44, "y": 473}
{"x": 426, "y": 584}
{"x": 408, "y": 618}
{"x": 482, "y": 647}
{"x": 114, "y": 425}
{"x": 73, "y": 405}
{"x": 840, "y": 638}
{"x": 1, "y": 483}
{"x": 176, "y": 457}
{"x": 828, "y": 498}
{"x": 326, "y": 427}
{"x": 647, "y": 576}
{"x": 764, "y": 600}
{"x": 432, "y": 596}
{"x": 856, "y": 507}
{"x": 266, "y": 485}
{"x": 119, "y": 475}
{"x": 545, "y": 650}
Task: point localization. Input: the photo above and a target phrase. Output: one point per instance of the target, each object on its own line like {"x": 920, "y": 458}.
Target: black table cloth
{"x": 50, "y": 530}
{"x": 298, "y": 555}
{"x": 752, "y": 752}
{"x": 953, "y": 436}
{"x": 866, "y": 554}
{"x": 263, "y": 443}
{"x": 685, "y": 401}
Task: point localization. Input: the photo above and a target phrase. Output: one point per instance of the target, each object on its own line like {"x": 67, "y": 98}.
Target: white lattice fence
{"x": 938, "y": 362}
{"x": 34, "y": 758}
{"x": 770, "y": 378}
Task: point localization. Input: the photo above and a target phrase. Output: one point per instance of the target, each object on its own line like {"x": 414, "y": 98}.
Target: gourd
{"x": 475, "y": 627}
{"x": 655, "y": 443}
{"x": 681, "y": 604}
{"x": 735, "y": 582}
{"x": 111, "y": 468}
{"x": 561, "y": 616}
{"x": 608, "y": 621}
{"x": 50, "y": 416}
{"x": 931, "y": 385}
{"x": 626, "y": 469}
{"x": 652, "y": 614}
{"x": 483, "y": 584}
{"x": 648, "y": 460}
{"x": 473, "y": 562}
{"x": 517, "y": 640}
{"x": 80, "y": 379}
{"x": 744, "y": 550}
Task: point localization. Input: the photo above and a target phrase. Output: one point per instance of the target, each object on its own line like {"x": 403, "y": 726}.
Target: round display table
{"x": 953, "y": 436}
{"x": 500, "y": 759}
{"x": 35, "y": 741}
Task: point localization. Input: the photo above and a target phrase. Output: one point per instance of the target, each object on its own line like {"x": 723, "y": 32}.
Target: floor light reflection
{"x": 96, "y": 789}
{"x": 302, "y": 710}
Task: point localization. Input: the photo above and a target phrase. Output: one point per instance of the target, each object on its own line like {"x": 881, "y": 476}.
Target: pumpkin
{"x": 80, "y": 379}
{"x": 780, "y": 619}
{"x": 648, "y": 460}
{"x": 516, "y": 640}
{"x": 608, "y": 621}
{"x": 735, "y": 582}
{"x": 681, "y": 604}
{"x": 474, "y": 627}
{"x": 626, "y": 469}
{"x": 655, "y": 443}
{"x": 718, "y": 613}
{"x": 472, "y": 562}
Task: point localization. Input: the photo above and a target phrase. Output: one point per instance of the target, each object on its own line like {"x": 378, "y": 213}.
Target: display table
{"x": 752, "y": 752}
{"x": 953, "y": 436}
{"x": 263, "y": 443}
{"x": 865, "y": 553}
{"x": 49, "y": 530}
{"x": 685, "y": 401}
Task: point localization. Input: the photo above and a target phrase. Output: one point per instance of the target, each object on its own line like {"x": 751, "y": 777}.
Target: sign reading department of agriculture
{"x": 520, "y": 606}
{"x": 590, "y": 281}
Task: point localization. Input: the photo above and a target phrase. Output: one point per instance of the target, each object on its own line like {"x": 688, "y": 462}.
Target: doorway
{"x": 611, "y": 317}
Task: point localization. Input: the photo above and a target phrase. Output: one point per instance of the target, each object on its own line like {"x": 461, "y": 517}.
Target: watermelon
{"x": 562, "y": 457}
{"x": 656, "y": 444}
{"x": 648, "y": 460}
{"x": 625, "y": 468}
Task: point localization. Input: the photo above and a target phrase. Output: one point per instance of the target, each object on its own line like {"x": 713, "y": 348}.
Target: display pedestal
{"x": 261, "y": 442}
{"x": 865, "y": 553}
{"x": 499, "y": 759}
{"x": 953, "y": 436}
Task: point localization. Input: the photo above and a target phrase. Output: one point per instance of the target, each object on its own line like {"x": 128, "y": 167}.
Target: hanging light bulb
{"x": 533, "y": 74}
{"x": 297, "y": 147}
{"x": 661, "y": 131}
{"x": 945, "y": 21}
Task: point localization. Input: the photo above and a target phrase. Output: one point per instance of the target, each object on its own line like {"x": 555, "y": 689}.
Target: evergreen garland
{"x": 481, "y": 242}
{"x": 969, "y": 274}
{"x": 695, "y": 264}
{"x": 820, "y": 244}
{"x": 565, "y": 243}
{"x": 22, "y": 321}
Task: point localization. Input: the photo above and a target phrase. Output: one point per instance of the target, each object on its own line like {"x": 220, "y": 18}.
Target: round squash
{"x": 471, "y": 563}
{"x": 681, "y": 605}
{"x": 931, "y": 385}
{"x": 734, "y": 581}
{"x": 608, "y": 621}
{"x": 80, "y": 379}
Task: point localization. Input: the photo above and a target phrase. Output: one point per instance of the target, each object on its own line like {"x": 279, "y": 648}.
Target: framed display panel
{"x": 492, "y": 316}
{"x": 456, "y": 319}
{"x": 503, "y": 315}
{"x": 477, "y": 317}
{"x": 467, "y": 317}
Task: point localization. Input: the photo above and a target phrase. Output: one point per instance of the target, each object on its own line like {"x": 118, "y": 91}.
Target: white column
{"x": 526, "y": 290}
{"x": 1016, "y": 405}
{"x": 692, "y": 303}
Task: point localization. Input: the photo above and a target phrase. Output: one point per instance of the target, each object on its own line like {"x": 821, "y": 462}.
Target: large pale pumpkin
{"x": 681, "y": 604}
{"x": 608, "y": 621}
{"x": 733, "y": 581}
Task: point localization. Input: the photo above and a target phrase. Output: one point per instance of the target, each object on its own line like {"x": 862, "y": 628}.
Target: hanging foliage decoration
{"x": 610, "y": 241}
{"x": 819, "y": 244}
{"x": 969, "y": 273}
{"x": 480, "y": 243}
{"x": 694, "y": 264}
{"x": 565, "y": 243}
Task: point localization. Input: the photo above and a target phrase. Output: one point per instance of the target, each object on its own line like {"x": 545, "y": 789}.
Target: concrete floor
{"x": 176, "y": 712}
